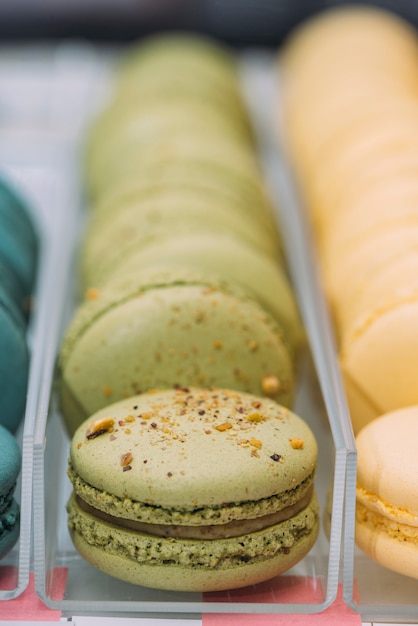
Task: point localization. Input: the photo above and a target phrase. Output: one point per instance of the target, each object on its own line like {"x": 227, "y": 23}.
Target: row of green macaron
{"x": 182, "y": 273}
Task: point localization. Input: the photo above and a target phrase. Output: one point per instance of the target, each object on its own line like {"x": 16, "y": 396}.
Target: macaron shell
{"x": 125, "y": 125}
{"x": 386, "y": 291}
{"x": 161, "y": 213}
{"x": 251, "y": 569}
{"x": 170, "y": 335}
{"x": 388, "y": 546}
{"x": 226, "y": 255}
{"x": 362, "y": 30}
{"x": 387, "y": 463}
{"x": 185, "y": 175}
{"x": 365, "y": 261}
{"x": 193, "y": 66}
{"x": 164, "y": 429}
{"x": 372, "y": 359}
{"x": 217, "y": 156}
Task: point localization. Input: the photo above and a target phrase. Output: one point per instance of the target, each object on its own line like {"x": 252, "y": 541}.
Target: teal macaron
{"x": 18, "y": 237}
{"x": 10, "y": 466}
{"x": 14, "y": 362}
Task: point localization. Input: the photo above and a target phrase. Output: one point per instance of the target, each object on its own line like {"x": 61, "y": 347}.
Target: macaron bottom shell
{"x": 390, "y": 543}
{"x": 193, "y": 565}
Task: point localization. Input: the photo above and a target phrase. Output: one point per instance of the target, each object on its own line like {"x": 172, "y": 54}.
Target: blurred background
{"x": 237, "y": 22}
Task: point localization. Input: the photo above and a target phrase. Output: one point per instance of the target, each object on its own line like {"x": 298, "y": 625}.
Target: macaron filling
{"x": 222, "y": 553}
{"x": 397, "y": 522}
{"x": 234, "y": 528}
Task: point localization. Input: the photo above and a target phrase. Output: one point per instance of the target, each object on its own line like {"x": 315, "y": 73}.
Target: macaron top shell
{"x": 190, "y": 448}
{"x": 387, "y": 462}
{"x": 167, "y": 327}
{"x": 224, "y": 254}
{"x": 133, "y": 285}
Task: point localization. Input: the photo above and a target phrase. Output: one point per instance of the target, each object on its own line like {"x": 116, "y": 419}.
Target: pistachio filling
{"x": 235, "y": 528}
{"x": 220, "y": 554}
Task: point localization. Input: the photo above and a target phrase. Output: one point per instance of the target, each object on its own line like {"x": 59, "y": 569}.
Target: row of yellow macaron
{"x": 354, "y": 150}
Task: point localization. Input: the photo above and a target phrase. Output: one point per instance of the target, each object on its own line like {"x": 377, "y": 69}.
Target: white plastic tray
{"x": 90, "y": 591}
{"x": 42, "y": 147}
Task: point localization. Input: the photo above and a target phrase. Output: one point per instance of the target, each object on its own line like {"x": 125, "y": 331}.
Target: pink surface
{"x": 285, "y": 589}
{"x": 28, "y": 606}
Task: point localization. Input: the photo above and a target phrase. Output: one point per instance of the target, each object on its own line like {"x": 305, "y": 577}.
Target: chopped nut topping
{"x": 224, "y": 426}
{"x": 126, "y": 468}
{"x": 256, "y": 443}
{"x": 296, "y": 443}
{"x": 270, "y": 385}
{"x": 255, "y": 417}
{"x": 254, "y": 452}
{"x": 92, "y": 293}
{"x": 129, "y": 419}
{"x": 126, "y": 459}
{"x": 99, "y": 427}
{"x": 276, "y": 457}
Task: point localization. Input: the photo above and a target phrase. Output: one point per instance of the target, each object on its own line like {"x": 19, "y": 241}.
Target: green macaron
{"x": 222, "y": 253}
{"x": 169, "y": 327}
{"x": 193, "y": 489}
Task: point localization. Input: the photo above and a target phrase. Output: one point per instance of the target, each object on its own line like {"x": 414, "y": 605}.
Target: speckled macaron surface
{"x": 165, "y": 328}
{"x": 193, "y": 489}
{"x": 387, "y": 490}
{"x": 10, "y": 465}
